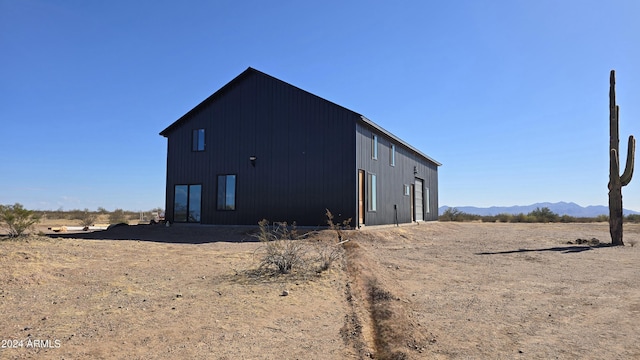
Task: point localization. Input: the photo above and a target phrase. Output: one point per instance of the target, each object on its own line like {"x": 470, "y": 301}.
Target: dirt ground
{"x": 435, "y": 290}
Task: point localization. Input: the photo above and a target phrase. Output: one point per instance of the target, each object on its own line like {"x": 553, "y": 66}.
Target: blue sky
{"x": 511, "y": 96}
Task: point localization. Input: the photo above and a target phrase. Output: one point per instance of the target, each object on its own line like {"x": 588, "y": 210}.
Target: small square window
{"x": 198, "y": 140}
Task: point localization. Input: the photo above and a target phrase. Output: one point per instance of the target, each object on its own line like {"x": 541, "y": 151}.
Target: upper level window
{"x": 392, "y": 155}
{"x": 226, "y": 192}
{"x": 374, "y": 147}
{"x": 198, "y": 140}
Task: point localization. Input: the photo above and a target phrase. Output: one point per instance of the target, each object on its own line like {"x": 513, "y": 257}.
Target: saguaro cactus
{"x": 616, "y": 182}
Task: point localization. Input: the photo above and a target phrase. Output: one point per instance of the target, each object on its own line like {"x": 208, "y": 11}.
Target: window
{"x": 392, "y": 155}
{"x": 407, "y": 190}
{"x": 426, "y": 200}
{"x": 226, "y": 192}
{"x": 372, "y": 193}
{"x": 374, "y": 147}
{"x": 198, "y": 140}
{"x": 187, "y": 203}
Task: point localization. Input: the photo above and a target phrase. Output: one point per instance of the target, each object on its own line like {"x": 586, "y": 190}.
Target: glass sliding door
{"x": 187, "y": 203}
{"x": 180, "y": 203}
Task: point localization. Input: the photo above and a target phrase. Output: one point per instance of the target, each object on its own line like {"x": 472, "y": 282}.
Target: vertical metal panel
{"x": 308, "y": 152}
{"x": 304, "y": 146}
{"x": 391, "y": 179}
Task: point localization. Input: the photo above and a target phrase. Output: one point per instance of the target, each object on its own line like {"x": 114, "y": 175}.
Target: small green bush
{"x": 451, "y": 214}
{"x": 86, "y": 217}
{"x": 17, "y": 219}
{"x": 567, "y": 219}
{"x": 538, "y": 215}
{"x": 117, "y": 216}
{"x": 634, "y": 218}
{"x": 543, "y": 215}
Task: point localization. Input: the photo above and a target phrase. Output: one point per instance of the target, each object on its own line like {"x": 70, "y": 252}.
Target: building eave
{"x": 251, "y": 70}
{"x": 397, "y": 139}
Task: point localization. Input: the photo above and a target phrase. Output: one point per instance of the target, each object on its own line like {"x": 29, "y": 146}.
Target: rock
{"x": 591, "y": 242}
{"x": 285, "y": 292}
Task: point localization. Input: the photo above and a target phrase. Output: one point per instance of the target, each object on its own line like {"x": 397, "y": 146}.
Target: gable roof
{"x": 250, "y": 71}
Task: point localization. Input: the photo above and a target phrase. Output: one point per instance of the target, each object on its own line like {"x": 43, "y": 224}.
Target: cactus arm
{"x": 628, "y": 171}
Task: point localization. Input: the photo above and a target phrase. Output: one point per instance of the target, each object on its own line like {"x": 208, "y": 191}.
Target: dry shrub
{"x": 338, "y": 228}
{"x": 285, "y": 250}
{"x": 282, "y": 247}
{"x": 327, "y": 254}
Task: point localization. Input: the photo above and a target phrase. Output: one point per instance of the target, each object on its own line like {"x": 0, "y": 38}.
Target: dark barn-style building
{"x": 260, "y": 148}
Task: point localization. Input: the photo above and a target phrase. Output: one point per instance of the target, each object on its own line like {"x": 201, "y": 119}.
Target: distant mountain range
{"x": 560, "y": 208}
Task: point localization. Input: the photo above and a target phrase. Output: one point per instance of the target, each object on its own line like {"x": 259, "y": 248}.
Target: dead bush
{"x": 338, "y": 228}
{"x": 327, "y": 254}
{"x": 283, "y": 249}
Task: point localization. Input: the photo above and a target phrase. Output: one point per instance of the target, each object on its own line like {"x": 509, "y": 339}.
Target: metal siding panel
{"x": 308, "y": 152}
{"x": 391, "y": 179}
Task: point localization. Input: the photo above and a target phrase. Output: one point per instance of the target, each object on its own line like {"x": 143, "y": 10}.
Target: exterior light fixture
{"x": 415, "y": 170}
{"x": 252, "y": 158}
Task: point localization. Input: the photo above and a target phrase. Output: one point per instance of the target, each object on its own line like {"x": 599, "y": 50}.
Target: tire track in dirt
{"x": 377, "y": 326}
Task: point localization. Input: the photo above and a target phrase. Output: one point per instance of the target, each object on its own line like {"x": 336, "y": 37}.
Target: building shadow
{"x": 570, "y": 249}
{"x": 176, "y": 234}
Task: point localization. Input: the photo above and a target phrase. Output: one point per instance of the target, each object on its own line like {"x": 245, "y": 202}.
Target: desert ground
{"x": 430, "y": 291}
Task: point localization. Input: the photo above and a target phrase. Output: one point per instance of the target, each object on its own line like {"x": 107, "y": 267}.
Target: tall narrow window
{"x": 392, "y": 155}
{"x": 426, "y": 200}
{"x": 198, "y": 140}
{"x": 374, "y": 147}
{"x": 226, "y": 192}
{"x": 187, "y": 203}
{"x": 372, "y": 192}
